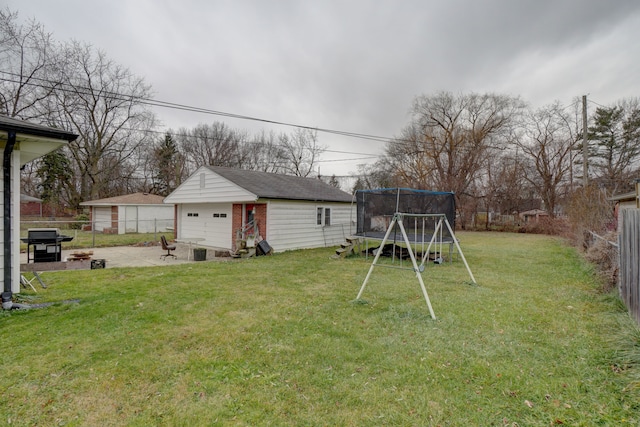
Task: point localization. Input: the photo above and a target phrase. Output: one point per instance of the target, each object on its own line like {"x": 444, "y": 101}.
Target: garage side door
{"x": 131, "y": 219}
{"x": 209, "y": 221}
{"x": 101, "y": 217}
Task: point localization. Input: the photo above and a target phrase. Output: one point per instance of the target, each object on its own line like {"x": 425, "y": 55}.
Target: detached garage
{"x": 131, "y": 213}
{"x": 219, "y": 206}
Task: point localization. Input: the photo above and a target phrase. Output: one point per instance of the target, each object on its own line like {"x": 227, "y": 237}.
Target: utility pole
{"x": 585, "y": 144}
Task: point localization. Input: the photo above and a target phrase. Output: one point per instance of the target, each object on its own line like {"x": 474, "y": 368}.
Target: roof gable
{"x": 276, "y": 186}
{"x": 624, "y": 197}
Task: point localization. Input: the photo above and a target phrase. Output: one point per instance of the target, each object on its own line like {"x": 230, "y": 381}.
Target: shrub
{"x": 605, "y": 258}
{"x": 80, "y": 219}
{"x": 588, "y": 210}
{"x": 547, "y": 225}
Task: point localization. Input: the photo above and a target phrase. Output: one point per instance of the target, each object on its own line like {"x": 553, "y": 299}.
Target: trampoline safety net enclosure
{"x": 375, "y": 210}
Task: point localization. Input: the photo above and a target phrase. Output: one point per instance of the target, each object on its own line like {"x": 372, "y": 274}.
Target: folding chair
{"x": 29, "y": 282}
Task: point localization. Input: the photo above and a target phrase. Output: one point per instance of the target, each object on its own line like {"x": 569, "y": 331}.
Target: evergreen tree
{"x": 333, "y": 181}
{"x": 55, "y": 177}
{"x": 614, "y": 144}
{"x": 168, "y": 166}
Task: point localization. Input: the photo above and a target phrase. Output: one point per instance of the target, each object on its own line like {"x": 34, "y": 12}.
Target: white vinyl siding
{"x": 150, "y": 218}
{"x": 130, "y": 216}
{"x": 210, "y": 221}
{"x": 205, "y": 186}
{"x": 134, "y": 218}
{"x": 294, "y": 225}
{"x": 155, "y": 218}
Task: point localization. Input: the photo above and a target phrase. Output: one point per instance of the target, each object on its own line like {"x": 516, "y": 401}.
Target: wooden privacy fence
{"x": 630, "y": 261}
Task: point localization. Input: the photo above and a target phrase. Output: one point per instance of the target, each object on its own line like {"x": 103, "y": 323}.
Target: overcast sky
{"x": 354, "y": 65}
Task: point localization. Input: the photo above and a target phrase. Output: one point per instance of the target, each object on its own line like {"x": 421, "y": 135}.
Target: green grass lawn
{"x": 280, "y": 340}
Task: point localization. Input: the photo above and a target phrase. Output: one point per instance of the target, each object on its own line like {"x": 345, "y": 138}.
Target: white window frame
{"x": 323, "y": 216}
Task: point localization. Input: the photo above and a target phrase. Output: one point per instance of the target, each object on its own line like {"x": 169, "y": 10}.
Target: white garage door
{"x": 211, "y": 221}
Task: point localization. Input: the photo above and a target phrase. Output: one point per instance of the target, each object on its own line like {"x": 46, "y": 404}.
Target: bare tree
{"x": 449, "y": 139}
{"x": 503, "y": 187}
{"x": 546, "y": 141}
{"x": 27, "y": 56}
{"x": 218, "y": 145}
{"x": 214, "y": 144}
{"x": 377, "y": 175}
{"x": 299, "y": 152}
{"x": 263, "y": 153}
{"x": 511, "y": 190}
{"x": 407, "y": 158}
{"x": 103, "y": 103}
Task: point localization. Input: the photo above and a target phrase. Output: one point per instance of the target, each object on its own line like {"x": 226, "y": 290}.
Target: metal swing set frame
{"x": 435, "y": 241}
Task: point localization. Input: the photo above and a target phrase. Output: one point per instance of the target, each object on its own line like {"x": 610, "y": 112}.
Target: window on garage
{"x": 323, "y": 216}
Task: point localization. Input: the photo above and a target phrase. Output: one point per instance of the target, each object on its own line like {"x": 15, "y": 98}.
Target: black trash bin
{"x": 199, "y": 254}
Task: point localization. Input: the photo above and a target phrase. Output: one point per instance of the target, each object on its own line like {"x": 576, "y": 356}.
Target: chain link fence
{"x": 94, "y": 234}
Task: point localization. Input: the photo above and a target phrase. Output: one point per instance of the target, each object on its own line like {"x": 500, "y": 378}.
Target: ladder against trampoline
{"x": 350, "y": 246}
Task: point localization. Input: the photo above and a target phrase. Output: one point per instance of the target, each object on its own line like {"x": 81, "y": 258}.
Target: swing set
{"x": 428, "y": 215}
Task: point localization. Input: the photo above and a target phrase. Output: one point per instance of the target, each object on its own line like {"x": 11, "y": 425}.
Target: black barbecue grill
{"x": 47, "y": 244}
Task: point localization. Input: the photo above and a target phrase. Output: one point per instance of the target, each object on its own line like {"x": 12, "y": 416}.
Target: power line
{"x": 152, "y": 102}
{"x": 348, "y": 160}
{"x": 184, "y": 107}
{"x": 598, "y": 104}
{"x": 185, "y": 135}
{"x": 244, "y": 117}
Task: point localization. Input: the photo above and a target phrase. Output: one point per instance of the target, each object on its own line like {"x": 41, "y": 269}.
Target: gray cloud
{"x": 355, "y": 65}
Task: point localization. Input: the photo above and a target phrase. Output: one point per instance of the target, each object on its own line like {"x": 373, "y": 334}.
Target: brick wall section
{"x": 261, "y": 219}
{"x": 236, "y": 222}
{"x": 175, "y": 221}
{"x": 30, "y": 208}
{"x": 42, "y": 210}
{"x": 114, "y": 217}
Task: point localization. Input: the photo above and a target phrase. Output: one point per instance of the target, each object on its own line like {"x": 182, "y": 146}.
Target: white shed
{"x": 216, "y": 204}
{"x": 21, "y": 143}
{"x": 131, "y": 213}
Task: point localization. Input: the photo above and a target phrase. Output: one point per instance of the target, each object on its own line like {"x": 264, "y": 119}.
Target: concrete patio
{"x": 138, "y": 256}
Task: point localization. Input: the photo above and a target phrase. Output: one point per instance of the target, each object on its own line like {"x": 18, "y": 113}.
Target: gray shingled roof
{"x": 275, "y": 186}
{"x": 28, "y": 198}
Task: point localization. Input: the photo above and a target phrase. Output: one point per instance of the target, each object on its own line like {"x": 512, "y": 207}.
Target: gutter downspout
{"x": 7, "y": 295}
